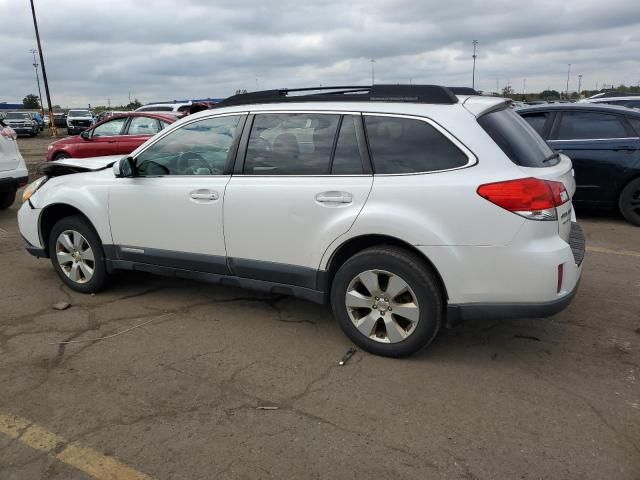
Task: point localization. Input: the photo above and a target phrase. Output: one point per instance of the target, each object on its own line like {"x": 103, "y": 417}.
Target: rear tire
{"x": 629, "y": 202}
{"x": 387, "y": 301}
{"x": 7, "y": 199}
{"x": 77, "y": 255}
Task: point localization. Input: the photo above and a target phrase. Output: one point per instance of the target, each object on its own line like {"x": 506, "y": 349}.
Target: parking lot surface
{"x": 179, "y": 389}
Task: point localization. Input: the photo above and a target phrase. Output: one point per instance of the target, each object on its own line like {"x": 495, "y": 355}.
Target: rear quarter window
{"x": 516, "y": 138}
{"x": 407, "y": 145}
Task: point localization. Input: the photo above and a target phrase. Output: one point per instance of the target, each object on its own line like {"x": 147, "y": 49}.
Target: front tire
{"x": 629, "y": 202}
{"x": 77, "y": 255}
{"x": 387, "y": 301}
{"x": 7, "y": 199}
{"x": 61, "y": 156}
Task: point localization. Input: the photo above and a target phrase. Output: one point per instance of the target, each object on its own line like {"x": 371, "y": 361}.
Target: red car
{"x": 120, "y": 134}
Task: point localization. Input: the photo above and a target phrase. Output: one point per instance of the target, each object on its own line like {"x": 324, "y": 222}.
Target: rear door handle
{"x": 204, "y": 195}
{"x": 334, "y": 197}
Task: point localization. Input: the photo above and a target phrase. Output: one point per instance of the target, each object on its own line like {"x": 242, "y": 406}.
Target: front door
{"x": 102, "y": 139}
{"x": 299, "y": 189}
{"x": 170, "y": 214}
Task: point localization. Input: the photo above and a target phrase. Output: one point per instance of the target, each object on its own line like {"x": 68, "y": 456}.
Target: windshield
{"x": 79, "y": 113}
{"x": 17, "y": 115}
{"x": 517, "y": 139}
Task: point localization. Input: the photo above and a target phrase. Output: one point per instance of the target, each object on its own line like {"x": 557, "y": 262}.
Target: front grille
{"x": 577, "y": 243}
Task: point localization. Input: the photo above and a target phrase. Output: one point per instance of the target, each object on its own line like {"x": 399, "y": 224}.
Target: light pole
{"x": 568, "y": 74}
{"x": 52, "y": 124}
{"x": 473, "y": 73}
{"x": 524, "y": 87}
{"x": 373, "y": 73}
{"x": 35, "y": 65}
{"x": 579, "y": 86}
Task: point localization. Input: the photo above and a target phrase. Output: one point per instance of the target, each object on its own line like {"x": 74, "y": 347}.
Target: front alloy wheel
{"x": 75, "y": 256}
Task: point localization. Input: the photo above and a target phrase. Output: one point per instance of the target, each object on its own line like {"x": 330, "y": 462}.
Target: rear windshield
{"x": 517, "y": 139}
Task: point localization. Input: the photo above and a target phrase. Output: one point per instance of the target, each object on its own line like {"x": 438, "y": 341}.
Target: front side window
{"x": 407, "y": 145}
{"x": 291, "y": 144}
{"x": 110, "y": 128}
{"x": 537, "y": 121}
{"x": 143, "y": 126}
{"x": 590, "y": 125}
{"x": 198, "y": 148}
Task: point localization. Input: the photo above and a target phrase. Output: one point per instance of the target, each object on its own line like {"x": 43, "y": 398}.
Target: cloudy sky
{"x": 173, "y": 49}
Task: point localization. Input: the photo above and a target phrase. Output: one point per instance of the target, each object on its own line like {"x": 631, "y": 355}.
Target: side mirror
{"x": 125, "y": 167}
{"x": 86, "y": 135}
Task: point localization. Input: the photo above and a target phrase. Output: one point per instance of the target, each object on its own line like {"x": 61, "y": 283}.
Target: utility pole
{"x": 579, "y": 86}
{"x": 35, "y": 65}
{"x": 473, "y": 73}
{"x": 52, "y": 124}
{"x": 524, "y": 87}
{"x": 373, "y": 72}
{"x": 497, "y": 86}
{"x": 568, "y": 74}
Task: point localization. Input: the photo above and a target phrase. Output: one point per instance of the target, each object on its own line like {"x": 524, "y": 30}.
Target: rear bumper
{"x": 13, "y": 183}
{"x": 519, "y": 280}
{"x": 507, "y": 311}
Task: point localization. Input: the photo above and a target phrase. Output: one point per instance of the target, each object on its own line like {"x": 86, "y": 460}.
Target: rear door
{"x": 137, "y": 131}
{"x": 602, "y": 147}
{"x": 300, "y": 184}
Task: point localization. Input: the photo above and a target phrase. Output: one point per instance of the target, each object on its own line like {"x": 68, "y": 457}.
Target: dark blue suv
{"x": 603, "y": 141}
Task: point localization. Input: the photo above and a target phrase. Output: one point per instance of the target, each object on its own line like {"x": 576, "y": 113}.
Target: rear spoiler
{"x": 478, "y": 106}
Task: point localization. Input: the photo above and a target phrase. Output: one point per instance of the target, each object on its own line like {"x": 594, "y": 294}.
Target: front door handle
{"x": 204, "y": 195}
{"x": 334, "y": 197}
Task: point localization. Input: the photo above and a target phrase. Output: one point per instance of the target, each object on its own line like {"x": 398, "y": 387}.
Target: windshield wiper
{"x": 555, "y": 154}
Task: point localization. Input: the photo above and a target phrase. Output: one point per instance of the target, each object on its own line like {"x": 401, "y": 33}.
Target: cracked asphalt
{"x": 178, "y": 397}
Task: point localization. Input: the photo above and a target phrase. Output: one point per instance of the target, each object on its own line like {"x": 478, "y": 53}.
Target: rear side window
{"x": 635, "y": 123}
{"x": 291, "y": 144}
{"x": 406, "y": 145}
{"x": 517, "y": 139}
{"x": 537, "y": 121}
{"x": 346, "y": 160}
{"x": 589, "y": 125}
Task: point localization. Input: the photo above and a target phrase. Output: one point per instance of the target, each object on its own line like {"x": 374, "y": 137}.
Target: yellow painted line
{"x": 85, "y": 459}
{"x": 626, "y": 253}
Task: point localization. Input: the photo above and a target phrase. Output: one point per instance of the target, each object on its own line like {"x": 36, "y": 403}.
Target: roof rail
{"x": 376, "y": 93}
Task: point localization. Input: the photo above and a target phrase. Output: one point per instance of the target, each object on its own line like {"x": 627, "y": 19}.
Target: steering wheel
{"x": 189, "y": 161}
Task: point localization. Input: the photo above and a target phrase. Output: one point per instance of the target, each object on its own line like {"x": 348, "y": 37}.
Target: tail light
{"x": 8, "y": 133}
{"x": 531, "y": 198}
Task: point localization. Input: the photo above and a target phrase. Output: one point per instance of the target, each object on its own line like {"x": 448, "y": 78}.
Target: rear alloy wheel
{"x": 76, "y": 254}
{"x": 7, "y": 199}
{"x": 629, "y": 202}
{"x": 387, "y": 301}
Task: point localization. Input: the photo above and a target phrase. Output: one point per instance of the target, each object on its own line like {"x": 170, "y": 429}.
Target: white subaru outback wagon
{"x": 405, "y": 207}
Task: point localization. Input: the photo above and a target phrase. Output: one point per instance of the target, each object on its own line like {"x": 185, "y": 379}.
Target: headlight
{"x": 50, "y": 147}
{"x": 32, "y": 188}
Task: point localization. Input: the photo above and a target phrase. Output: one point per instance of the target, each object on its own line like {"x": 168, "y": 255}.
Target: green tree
{"x": 31, "y": 101}
{"x": 549, "y": 94}
{"x": 133, "y": 105}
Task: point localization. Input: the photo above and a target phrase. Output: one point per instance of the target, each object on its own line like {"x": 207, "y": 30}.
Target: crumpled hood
{"x": 91, "y": 163}
{"x": 77, "y": 165}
